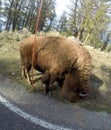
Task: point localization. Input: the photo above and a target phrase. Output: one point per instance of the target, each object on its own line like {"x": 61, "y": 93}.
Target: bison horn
{"x": 83, "y": 95}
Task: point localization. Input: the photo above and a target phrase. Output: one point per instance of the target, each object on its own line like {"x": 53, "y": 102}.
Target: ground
{"x": 100, "y": 81}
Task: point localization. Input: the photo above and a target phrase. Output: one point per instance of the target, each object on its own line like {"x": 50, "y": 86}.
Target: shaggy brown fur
{"x": 56, "y": 57}
{"x": 71, "y": 88}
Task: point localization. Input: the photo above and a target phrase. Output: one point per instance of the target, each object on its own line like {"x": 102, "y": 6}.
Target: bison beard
{"x": 58, "y": 58}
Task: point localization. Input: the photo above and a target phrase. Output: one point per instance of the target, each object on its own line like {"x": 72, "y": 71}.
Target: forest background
{"x": 88, "y": 21}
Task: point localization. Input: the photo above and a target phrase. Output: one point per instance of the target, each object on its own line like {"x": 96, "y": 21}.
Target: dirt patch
{"x": 100, "y": 99}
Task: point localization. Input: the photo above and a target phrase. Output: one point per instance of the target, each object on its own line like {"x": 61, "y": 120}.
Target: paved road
{"x": 11, "y": 121}
{"x": 31, "y": 111}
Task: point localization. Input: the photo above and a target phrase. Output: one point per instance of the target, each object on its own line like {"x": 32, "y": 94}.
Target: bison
{"x": 59, "y": 59}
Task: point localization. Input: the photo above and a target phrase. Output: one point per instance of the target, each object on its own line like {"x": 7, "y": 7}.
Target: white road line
{"x": 29, "y": 117}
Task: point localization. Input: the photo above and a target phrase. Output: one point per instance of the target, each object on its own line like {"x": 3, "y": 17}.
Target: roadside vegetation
{"x": 88, "y": 21}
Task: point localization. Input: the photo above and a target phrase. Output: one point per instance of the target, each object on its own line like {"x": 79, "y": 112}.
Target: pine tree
{"x": 89, "y": 19}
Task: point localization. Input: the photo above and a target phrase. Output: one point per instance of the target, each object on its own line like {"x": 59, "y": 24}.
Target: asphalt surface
{"x": 11, "y": 121}
{"x": 47, "y": 109}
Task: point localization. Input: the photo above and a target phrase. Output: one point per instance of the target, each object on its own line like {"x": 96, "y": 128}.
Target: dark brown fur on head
{"x": 71, "y": 88}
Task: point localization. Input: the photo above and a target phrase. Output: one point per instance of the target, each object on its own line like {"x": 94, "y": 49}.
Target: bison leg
{"x": 55, "y": 75}
{"x": 49, "y": 77}
{"x": 46, "y": 81}
{"x": 23, "y": 72}
{"x": 60, "y": 81}
{"x": 84, "y": 87}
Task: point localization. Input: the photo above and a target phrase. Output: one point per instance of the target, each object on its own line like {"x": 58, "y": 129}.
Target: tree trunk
{"x": 80, "y": 33}
{"x": 81, "y": 30}
{"x": 16, "y": 14}
{"x": 25, "y": 16}
{"x": 74, "y": 22}
{"x": 105, "y": 43}
{"x": 87, "y": 37}
{"x": 9, "y": 17}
